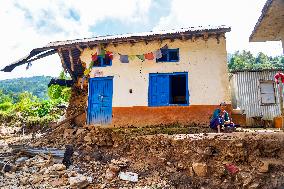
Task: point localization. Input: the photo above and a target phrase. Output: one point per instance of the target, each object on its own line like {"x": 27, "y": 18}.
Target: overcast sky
{"x": 28, "y": 24}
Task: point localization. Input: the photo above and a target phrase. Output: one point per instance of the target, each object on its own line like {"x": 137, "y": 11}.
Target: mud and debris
{"x": 112, "y": 158}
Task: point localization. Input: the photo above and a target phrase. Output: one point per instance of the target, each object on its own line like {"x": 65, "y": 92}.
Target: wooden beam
{"x": 65, "y": 67}
{"x": 42, "y": 55}
{"x": 62, "y": 59}
{"x": 193, "y": 38}
{"x": 71, "y": 59}
{"x": 105, "y": 45}
{"x": 205, "y": 36}
{"x": 79, "y": 48}
{"x": 218, "y": 38}
{"x": 80, "y": 112}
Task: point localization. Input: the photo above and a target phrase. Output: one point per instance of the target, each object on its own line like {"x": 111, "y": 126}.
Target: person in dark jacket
{"x": 220, "y": 118}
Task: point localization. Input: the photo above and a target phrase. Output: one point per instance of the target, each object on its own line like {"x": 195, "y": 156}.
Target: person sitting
{"x": 221, "y": 119}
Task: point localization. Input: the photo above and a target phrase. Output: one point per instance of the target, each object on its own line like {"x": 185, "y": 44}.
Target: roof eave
{"x": 263, "y": 14}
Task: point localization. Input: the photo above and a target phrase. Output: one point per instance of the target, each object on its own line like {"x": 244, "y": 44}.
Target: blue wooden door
{"x": 158, "y": 90}
{"x": 100, "y": 100}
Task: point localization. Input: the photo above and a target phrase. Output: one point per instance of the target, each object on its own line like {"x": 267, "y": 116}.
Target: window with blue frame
{"x": 169, "y": 55}
{"x": 167, "y": 89}
{"x": 103, "y": 61}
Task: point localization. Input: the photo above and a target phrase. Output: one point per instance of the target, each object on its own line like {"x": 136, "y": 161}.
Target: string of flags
{"x": 101, "y": 52}
{"x": 147, "y": 56}
{"x": 125, "y": 58}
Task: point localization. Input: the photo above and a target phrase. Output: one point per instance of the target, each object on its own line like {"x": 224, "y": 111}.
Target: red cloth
{"x": 94, "y": 57}
{"x": 110, "y": 55}
{"x": 279, "y": 75}
{"x": 149, "y": 56}
{"x": 232, "y": 169}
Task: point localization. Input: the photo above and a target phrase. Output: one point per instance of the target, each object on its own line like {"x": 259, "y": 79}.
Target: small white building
{"x": 153, "y": 78}
{"x": 257, "y": 96}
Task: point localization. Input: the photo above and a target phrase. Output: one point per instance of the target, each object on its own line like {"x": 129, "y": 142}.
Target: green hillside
{"x": 36, "y": 85}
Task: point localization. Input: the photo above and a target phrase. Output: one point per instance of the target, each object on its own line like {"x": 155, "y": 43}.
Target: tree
{"x": 246, "y": 61}
{"x": 57, "y": 92}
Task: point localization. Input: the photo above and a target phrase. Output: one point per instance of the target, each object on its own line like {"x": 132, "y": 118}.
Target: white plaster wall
{"x": 205, "y": 62}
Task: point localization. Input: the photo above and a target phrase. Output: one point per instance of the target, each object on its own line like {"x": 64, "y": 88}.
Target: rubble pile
{"x": 41, "y": 171}
{"x": 106, "y": 159}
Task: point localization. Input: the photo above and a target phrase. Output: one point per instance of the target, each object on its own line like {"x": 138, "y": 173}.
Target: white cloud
{"x": 27, "y": 24}
{"x": 241, "y": 15}
{"x": 30, "y": 23}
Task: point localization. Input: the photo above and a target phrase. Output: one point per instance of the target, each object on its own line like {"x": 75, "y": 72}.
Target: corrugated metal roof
{"x": 52, "y": 47}
{"x": 189, "y": 30}
{"x": 260, "y": 70}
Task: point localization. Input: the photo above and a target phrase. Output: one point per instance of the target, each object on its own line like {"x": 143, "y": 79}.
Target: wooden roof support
{"x": 183, "y": 37}
{"x": 65, "y": 67}
{"x": 218, "y": 38}
{"x": 62, "y": 59}
{"x": 193, "y": 38}
{"x": 71, "y": 59}
{"x": 79, "y": 48}
{"x": 146, "y": 42}
{"x": 205, "y": 36}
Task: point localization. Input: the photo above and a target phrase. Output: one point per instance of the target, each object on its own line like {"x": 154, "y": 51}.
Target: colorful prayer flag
{"x": 141, "y": 57}
{"x": 158, "y": 54}
{"x": 109, "y": 54}
{"x": 149, "y": 56}
{"x": 103, "y": 52}
{"x": 131, "y": 57}
{"x": 94, "y": 57}
{"x": 87, "y": 72}
{"x": 124, "y": 59}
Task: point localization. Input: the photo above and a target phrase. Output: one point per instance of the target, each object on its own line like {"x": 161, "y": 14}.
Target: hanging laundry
{"x": 94, "y": 57}
{"x": 124, "y": 59}
{"x": 149, "y": 56}
{"x": 141, "y": 57}
{"x": 131, "y": 57}
{"x": 158, "y": 54}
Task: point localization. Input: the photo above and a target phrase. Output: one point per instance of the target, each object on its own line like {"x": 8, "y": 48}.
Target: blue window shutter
{"x": 159, "y": 90}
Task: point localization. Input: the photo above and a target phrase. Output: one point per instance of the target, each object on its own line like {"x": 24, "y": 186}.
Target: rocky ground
{"x": 107, "y": 158}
